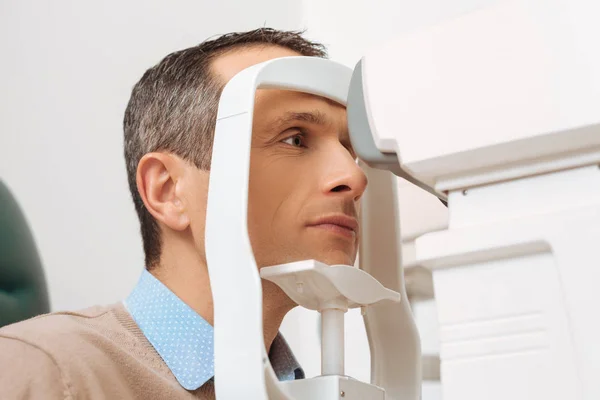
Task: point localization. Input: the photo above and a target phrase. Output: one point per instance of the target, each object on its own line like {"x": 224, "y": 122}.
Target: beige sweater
{"x": 97, "y": 353}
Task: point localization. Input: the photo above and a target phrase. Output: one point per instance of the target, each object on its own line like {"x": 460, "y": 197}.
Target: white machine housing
{"x": 499, "y": 113}
{"x": 500, "y": 93}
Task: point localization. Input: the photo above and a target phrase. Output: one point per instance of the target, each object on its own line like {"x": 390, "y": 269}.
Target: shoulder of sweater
{"x": 56, "y": 327}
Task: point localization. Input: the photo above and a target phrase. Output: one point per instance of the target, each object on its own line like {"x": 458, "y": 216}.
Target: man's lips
{"x": 339, "y": 223}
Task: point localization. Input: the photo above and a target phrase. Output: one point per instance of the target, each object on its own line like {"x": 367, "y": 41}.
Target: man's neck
{"x": 190, "y": 282}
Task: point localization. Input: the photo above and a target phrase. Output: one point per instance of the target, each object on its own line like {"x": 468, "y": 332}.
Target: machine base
{"x": 332, "y": 387}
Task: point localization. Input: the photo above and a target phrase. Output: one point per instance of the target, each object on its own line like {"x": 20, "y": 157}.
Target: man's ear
{"x": 157, "y": 178}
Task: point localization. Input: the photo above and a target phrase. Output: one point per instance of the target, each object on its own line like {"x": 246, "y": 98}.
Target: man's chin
{"x": 336, "y": 259}
{"x": 326, "y": 256}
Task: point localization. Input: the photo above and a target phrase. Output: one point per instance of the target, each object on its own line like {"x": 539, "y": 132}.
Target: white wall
{"x": 351, "y": 27}
{"x": 66, "y": 72}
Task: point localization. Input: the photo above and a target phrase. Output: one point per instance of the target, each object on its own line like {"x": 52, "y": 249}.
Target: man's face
{"x": 304, "y": 181}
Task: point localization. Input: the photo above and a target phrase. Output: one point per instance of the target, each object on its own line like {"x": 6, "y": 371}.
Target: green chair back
{"x": 23, "y": 291}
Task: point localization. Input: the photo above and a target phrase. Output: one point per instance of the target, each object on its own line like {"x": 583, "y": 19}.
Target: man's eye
{"x": 296, "y": 140}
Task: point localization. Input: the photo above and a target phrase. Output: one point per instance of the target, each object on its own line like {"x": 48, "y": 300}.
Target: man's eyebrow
{"x": 315, "y": 117}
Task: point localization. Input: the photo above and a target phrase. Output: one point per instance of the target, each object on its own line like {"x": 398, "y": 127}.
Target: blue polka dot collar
{"x": 184, "y": 339}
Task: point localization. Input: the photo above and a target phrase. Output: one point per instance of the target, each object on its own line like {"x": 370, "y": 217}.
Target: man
{"x": 304, "y": 189}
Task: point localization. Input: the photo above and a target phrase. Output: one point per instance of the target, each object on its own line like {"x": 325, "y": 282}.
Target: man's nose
{"x": 345, "y": 177}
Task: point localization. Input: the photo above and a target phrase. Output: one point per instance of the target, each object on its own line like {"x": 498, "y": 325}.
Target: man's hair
{"x": 173, "y": 108}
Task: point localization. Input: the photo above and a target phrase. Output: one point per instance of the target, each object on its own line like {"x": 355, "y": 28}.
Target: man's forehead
{"x": 286, "y": 104}
{"x": 229, "y": 64}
